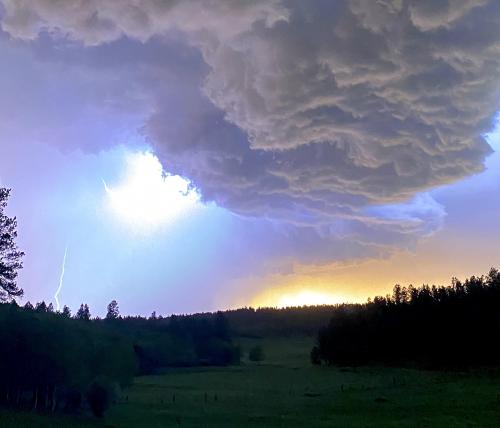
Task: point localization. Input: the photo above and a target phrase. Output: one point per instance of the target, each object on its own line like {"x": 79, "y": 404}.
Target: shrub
{"x": 316, "y": 356}
{"x": 99, "y": 397}
{"x": 256, "y": 353}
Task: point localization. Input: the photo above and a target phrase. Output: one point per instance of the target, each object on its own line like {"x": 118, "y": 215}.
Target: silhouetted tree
{"x": 83, "y": 313}
{"x": 66, "y": 312}
{"x": 41, "y": 307}
{"x": 10, "y": 256}
{"x": 113, "y": 310}
{"x": 28, "y": 306}
{"x": 50, "y": 308}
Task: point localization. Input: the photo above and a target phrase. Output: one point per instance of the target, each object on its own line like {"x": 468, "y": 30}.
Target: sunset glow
{"x": 293, "y": 297}
{"x": 307, "y": 298}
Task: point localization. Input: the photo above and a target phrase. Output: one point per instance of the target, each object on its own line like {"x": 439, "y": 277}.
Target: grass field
{"x": 286, "y": 391}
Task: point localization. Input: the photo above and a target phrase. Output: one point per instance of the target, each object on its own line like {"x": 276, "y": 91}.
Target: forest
{"x": 51, "y": 361}
{"x": 433, "y": 327}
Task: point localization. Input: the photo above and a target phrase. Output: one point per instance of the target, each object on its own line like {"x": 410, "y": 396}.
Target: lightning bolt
{"x": 61, "y": 279}
{"x": 105, "y": 186}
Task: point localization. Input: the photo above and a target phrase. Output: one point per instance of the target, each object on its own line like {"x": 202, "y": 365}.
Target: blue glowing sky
{"x": 327, "y": 150}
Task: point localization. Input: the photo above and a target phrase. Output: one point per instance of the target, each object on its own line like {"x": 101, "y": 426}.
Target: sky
{"x": 187, "y": 156}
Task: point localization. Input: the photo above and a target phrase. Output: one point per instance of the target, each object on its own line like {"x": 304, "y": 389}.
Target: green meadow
{"x": 285, "y": 390}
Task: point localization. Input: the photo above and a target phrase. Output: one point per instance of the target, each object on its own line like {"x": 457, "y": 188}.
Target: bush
{"x": 316, "y": 356}
{"x": 99, "y": 397}
{"x": 256, "y": 353}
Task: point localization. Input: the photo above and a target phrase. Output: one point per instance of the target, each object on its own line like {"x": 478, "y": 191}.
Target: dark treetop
{"x": 10, "y": 256}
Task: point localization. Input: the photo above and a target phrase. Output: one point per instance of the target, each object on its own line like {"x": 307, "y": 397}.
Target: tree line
{"x": 279, "y": 322}
{"x": 436, "y": 327}
{"x": 52, "y": 361}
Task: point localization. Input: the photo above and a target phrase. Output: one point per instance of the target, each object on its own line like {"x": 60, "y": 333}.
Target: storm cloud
{"x": 307, "y": 113}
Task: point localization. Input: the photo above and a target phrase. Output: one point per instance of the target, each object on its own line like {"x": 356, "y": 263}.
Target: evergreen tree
{"x": 83, "y": 313}
{"x": 113, "y": 311}
{"x": 41, "y": 307}
{"x": 10, "y": 256}
{"x": 66, "y": 312}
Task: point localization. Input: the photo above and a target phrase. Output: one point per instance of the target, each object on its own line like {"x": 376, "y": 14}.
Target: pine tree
{"x": 10, "y": 256}
{"x": 41, "y": 307}
{"x": 66, "y": 312}
{"x": 113, "y": 310}
{"x": 83, "y": 313}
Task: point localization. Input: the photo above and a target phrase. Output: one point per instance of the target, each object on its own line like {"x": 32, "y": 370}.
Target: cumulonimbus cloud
{"x": 312, "y": 111}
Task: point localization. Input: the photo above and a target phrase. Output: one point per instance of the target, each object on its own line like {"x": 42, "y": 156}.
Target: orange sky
{"x": 434, "y": 261}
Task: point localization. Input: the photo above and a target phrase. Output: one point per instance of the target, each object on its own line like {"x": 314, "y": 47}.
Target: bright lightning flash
{"x": 61, "y": 279}
{"x": 148, "y": 197}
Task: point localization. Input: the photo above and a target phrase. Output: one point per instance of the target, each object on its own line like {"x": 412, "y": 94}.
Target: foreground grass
{"x": 286, "y": 391}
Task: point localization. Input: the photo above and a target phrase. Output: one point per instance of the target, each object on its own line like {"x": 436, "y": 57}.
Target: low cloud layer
{"x": 310, "y": 114}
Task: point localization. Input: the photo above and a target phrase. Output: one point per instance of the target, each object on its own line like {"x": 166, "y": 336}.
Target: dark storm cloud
{"x": 309, "y": 112}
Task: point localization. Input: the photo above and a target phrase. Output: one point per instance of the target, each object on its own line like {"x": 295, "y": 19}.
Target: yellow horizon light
{"x": 296, "y": 298}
